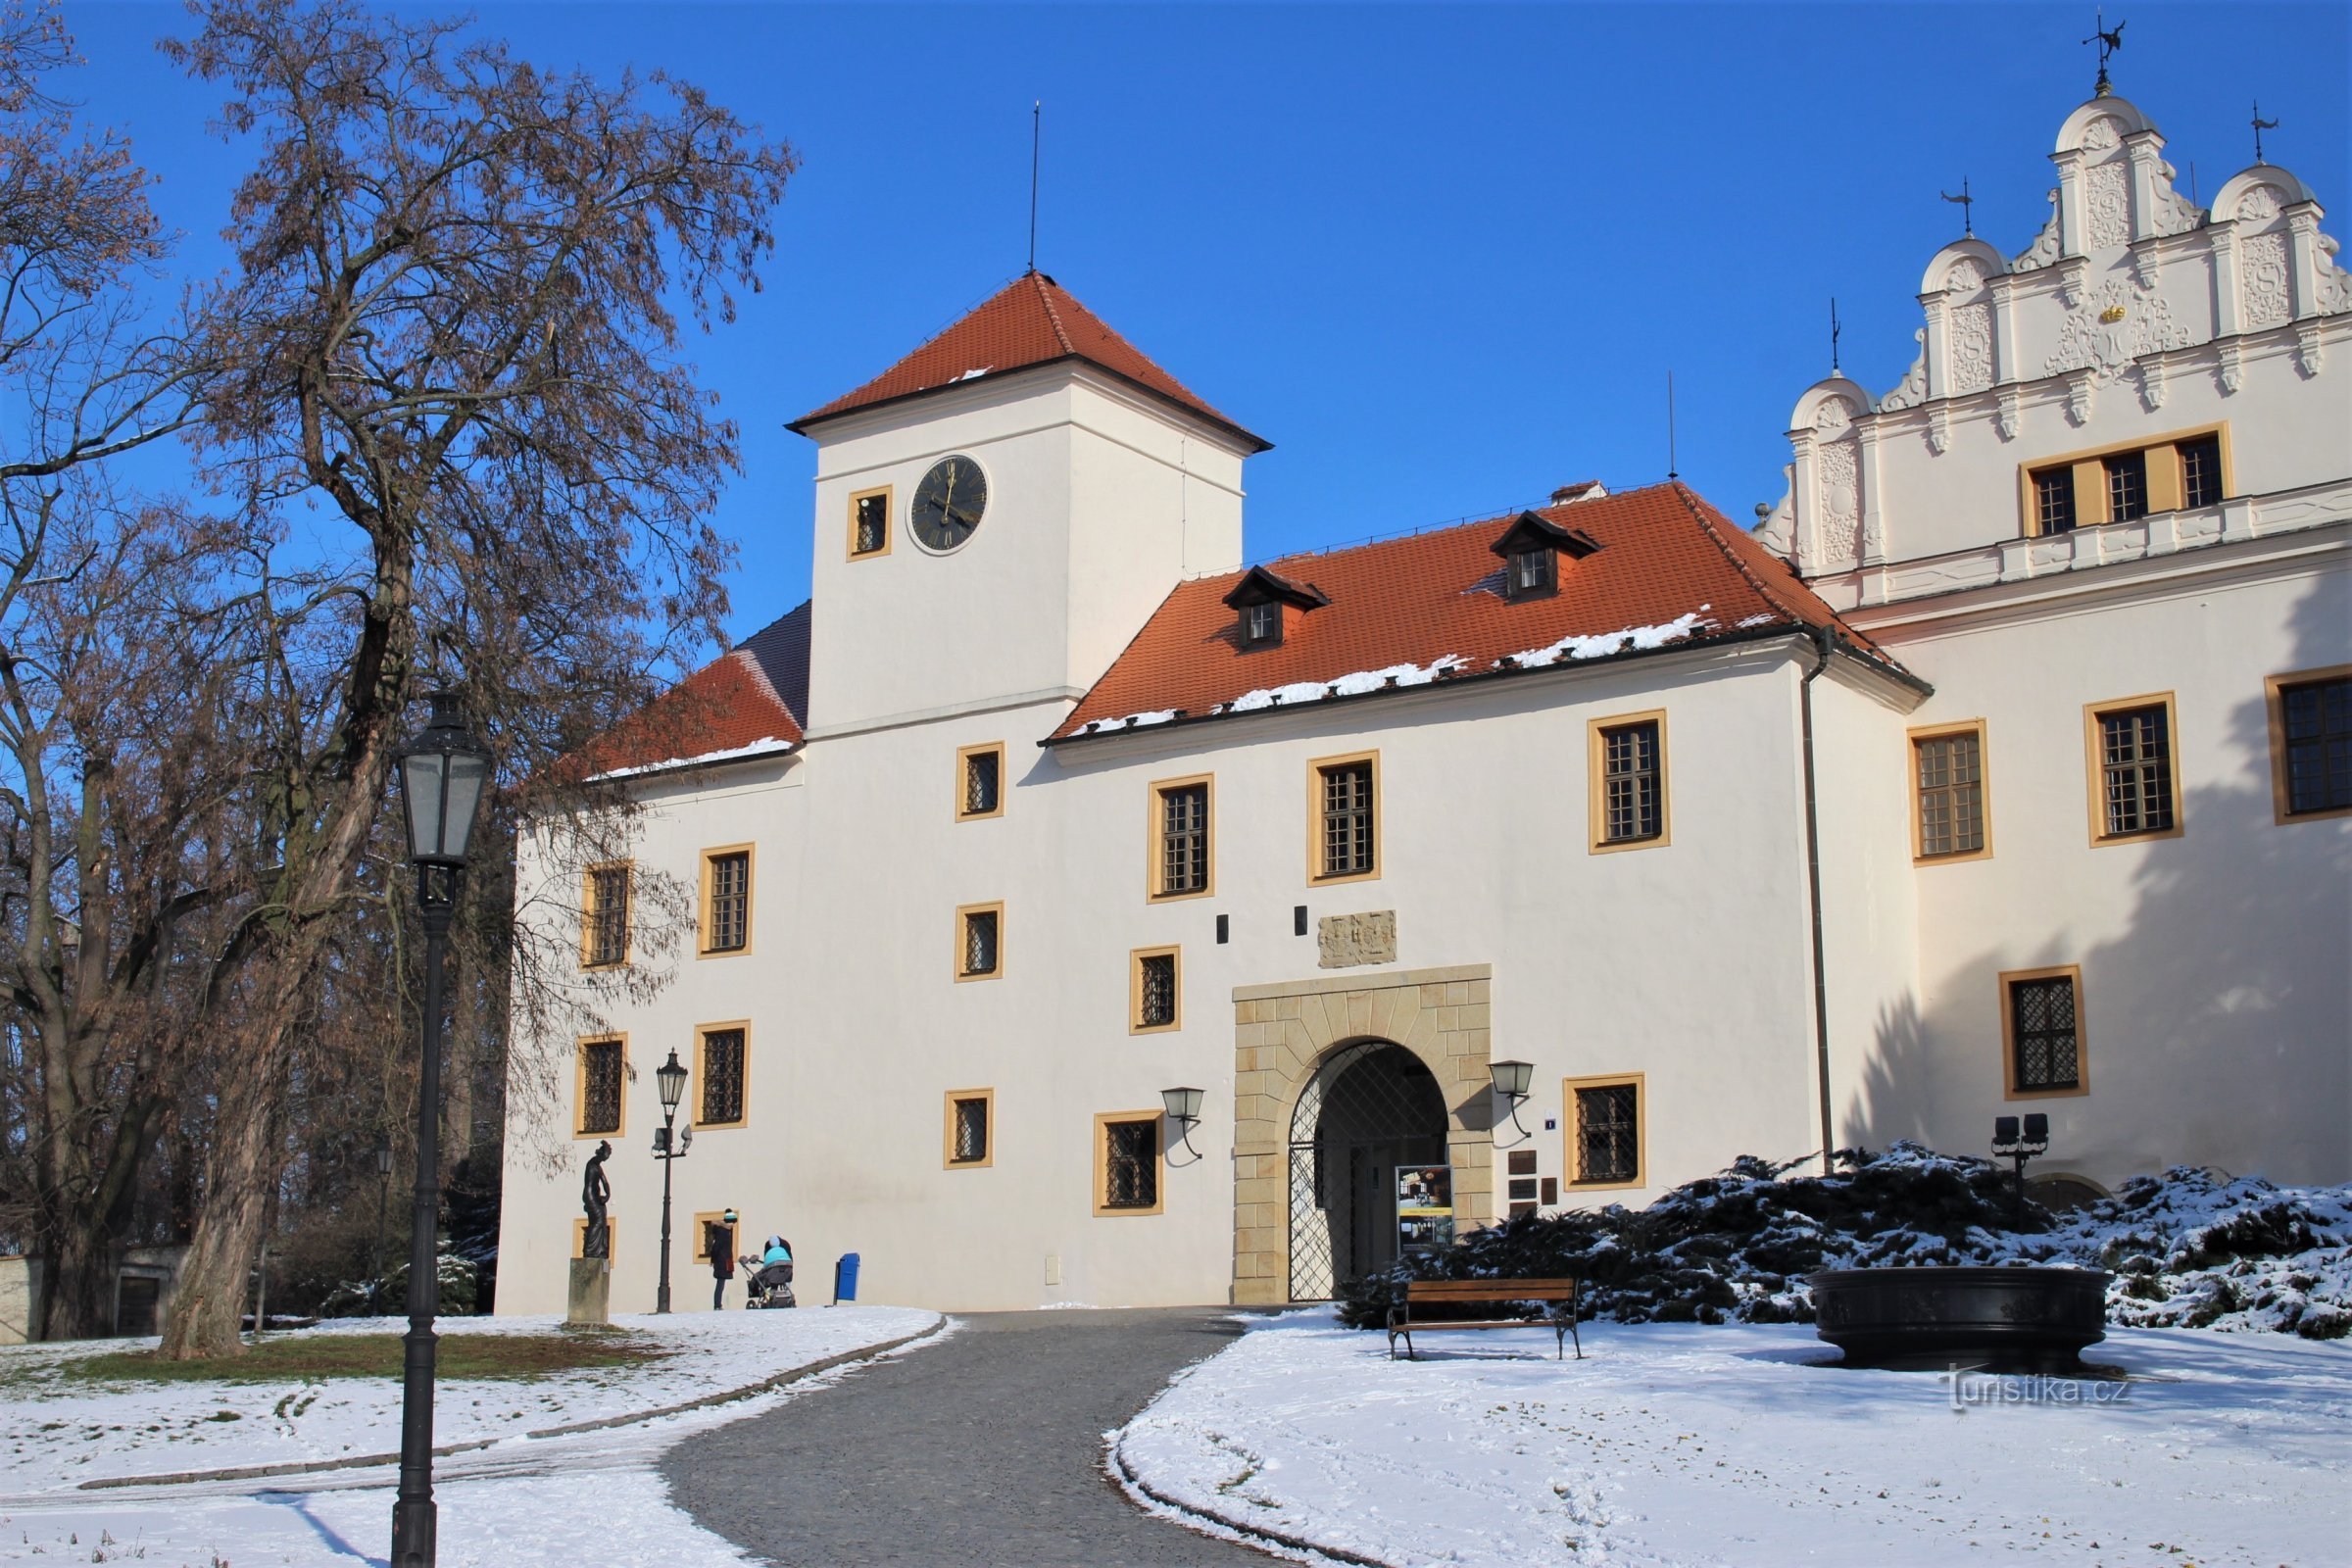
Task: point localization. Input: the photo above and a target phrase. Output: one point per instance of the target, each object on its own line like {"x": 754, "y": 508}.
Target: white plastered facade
{"x": 2214, "y": 986}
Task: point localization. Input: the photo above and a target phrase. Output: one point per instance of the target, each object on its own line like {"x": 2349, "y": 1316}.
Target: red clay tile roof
{"x": 1030, "y": 321}
{"x": 1671, "y": 572}
{"x": 755, "y": 692}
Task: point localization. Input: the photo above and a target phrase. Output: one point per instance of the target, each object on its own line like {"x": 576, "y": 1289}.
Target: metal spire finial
{"x": 2260, "y": 125}
{"x": 1967, "y": 208}
{"x": 1037, "y": 112}
{"x": 1834, "y": 330}
{"x": 2109, "y": 41}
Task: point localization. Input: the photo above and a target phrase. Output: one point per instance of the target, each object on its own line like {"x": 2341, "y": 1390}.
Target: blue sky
{"x": 1442, "y": 257}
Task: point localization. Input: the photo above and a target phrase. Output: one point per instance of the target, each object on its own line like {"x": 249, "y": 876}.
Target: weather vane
{"x": 1967, "y": 208}
{"x": 1833, "y": 334}
{"x": 2260, "y": 125}
{"x": 2109, "y": 42}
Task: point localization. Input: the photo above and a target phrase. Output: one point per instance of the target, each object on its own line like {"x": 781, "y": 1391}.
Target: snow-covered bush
{"x": 1735, "y": 1247}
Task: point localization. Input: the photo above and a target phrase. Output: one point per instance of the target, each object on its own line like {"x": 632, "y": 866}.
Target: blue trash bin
{"x": 844, "y": 1278}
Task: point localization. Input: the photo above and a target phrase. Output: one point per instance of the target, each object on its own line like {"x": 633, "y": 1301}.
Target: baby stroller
{"x": 770, "y": 1286}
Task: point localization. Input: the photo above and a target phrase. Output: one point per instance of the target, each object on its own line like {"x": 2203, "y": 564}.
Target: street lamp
{"x": 1182, "y": 1106}
{"x": 670, "y": 1078}
{"x": 1511, "y": 1087}
{"x": 2020, "y": 1145}
{"x": 443, "y": 772}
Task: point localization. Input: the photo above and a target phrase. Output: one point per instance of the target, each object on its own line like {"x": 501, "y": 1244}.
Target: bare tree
{"x": 453, "y": 324}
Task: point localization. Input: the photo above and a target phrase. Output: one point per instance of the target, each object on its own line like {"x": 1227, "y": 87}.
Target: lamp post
{"x": 2020, "y": 1145}
{"x": 383, "y": 1201}
{"x": 670, "y": 1077}
{"x": 443, "y": 772}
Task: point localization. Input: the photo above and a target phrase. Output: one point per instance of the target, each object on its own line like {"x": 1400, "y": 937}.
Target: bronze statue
{"x": 595, "y": 1190}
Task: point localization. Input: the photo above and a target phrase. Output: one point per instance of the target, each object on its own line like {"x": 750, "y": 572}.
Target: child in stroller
{"x": 770, "y": 1284}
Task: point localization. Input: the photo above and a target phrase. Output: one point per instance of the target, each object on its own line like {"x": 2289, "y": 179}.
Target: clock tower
{"x": 999, "y": 512}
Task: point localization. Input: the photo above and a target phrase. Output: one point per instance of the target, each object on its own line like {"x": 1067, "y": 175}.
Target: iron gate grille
{"x": 1320, "y": 1197}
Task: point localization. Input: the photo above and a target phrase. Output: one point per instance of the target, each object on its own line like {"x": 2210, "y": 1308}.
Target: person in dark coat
{"x": 718, "y": 1241}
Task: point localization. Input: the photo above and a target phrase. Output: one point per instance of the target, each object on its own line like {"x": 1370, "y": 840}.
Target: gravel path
{"x": 985, "y": 1448}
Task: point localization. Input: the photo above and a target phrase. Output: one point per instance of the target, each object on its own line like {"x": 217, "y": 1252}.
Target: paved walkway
{"x": 984, "y": 1449}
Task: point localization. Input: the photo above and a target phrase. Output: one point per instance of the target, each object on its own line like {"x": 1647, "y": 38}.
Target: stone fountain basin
{"x": 1997, "y": 1318}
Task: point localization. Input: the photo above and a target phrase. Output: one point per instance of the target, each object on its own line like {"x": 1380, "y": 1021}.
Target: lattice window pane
{"x": 2127, "y": 487}
{"x": 1347, "y": 819}
{"x": 1951, "y": 794}
{"x": 1608, "y": 1136}
{"x": 2201, "y": 472}
{"x": 2318, "y": 719}
{"x": 1156, "y": 989}
{"x": 607, "y": 914}
{"x": 2054, "y": 501}
{"x": 874, "y": 524}
{"x": 730, "y": 902}
{"x": 722, "y": 1075}
{"x": 2042, "y": 1033}
{"x": 1628, "y": 773}
{"x": 1184, "y": 839}
{"x": 971, "y": 1131}
{"x": 1531, "y": 571}
{"x": 1131, "y": 1165}
{"x": 599, "y": 1085}
{"x": 2136, "y": 765}
{"x": 980, "y": 942}
{"x": 982, "y": 776}
{"x": 1262, "y": 623}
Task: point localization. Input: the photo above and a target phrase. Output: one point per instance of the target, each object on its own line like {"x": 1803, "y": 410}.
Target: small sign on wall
{"x": 1424, "y": 1208}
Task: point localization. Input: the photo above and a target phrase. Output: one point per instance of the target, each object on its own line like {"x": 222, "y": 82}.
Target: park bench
{"x": 1457, "y": 1293}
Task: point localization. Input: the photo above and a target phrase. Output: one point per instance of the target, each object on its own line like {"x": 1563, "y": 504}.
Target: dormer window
{"x": 1260, "y": 598}
{"x": 1533, "y": 573}
{"x": 1531, "y": 549}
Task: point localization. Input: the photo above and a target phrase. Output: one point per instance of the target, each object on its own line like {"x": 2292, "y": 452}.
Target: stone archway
{"x": 1284, "y": 1034}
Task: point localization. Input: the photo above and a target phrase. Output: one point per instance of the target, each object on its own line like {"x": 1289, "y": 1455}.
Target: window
{"x": 980, "y": 942}
{"x": 1127, "y": 1162}
{"x": 2127, "y": 487}
{"x": 605, "y": 917}
{"x": 869, "y": 522}
{"x": 1948, "y": 781}
{"x": 2041, "y": 1031}
{"x": 598, "y": 1105}
{"x": 1347, "y": 818}
{"x": 1180, "y": 851}
{"x": 2054, "y": 501}
{"x": 980, "y": 782}
{"x": 2201, "y": 471}
{"x": 2134, "y": 784}
{"x": 2311, "y": 743}
{"x": 712, "y": 1236}
{"x": 1533, "y": 573}
{"x": 1261, "y": 624}
{"x": 1153, "y": 1000}
{"x": 1605, "y": 1129}
{"x": 1628, "y": 781}
{"x": 727, "y": 899}
{"x": 722, "y": 1062}
{"x": 969, "y": 1113}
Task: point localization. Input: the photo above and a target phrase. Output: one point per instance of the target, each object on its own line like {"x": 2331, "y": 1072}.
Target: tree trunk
{"x": 78, "y": 1279}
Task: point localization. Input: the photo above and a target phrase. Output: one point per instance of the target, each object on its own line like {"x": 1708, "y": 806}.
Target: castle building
{"x": 1067, "y": 911}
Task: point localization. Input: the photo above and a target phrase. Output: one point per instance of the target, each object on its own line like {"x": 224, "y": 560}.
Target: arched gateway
{"x": 1370, "y": 1107}
{"x": 1338, "y": 1080}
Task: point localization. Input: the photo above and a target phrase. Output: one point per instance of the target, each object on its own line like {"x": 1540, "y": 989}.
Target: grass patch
{"x": 284, "y": 1358}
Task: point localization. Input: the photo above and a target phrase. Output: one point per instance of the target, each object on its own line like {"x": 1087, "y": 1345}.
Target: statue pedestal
{"x": 591, "y": 1296}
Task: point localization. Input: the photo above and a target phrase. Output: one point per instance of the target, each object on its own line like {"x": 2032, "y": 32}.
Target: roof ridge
{"x": 750, "y": 662}
{"x": 1699, "y": 515}
{"x": 1062, "y": 333}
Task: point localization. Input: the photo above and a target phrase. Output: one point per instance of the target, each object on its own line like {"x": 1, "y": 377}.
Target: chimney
{"x": 1582, "y": 490}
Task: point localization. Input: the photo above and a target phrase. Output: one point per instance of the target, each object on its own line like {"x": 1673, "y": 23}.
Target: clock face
{"x": 948, "y": 504}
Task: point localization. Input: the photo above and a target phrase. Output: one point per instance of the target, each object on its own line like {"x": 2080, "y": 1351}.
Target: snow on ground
{"x": 588, "y": 1498}
{"x": 65, "y": 1431}
{"x": 1685, "y": 1444}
